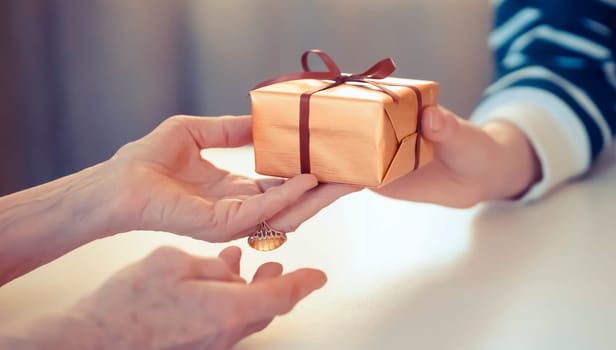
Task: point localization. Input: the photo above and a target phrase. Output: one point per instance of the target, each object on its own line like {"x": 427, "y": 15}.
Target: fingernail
{"x": 435, "y": 121}
{"x": 323, "y": 279}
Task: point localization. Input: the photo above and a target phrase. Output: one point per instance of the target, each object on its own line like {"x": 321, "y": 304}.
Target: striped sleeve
{"x": 555, "y": 79}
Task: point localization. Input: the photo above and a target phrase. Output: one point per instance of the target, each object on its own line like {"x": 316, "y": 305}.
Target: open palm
{"x": 170, "y": 187}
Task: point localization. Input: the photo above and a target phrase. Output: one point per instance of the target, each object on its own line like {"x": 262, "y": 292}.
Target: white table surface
{"x": 405, "y": 275}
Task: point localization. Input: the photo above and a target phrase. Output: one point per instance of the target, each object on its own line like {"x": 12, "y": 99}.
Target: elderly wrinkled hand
{"x": 166, "y": 185}
{"x": 173, "y": 300}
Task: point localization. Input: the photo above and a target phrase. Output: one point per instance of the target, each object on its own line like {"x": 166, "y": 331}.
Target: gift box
{"x": 356, "y": 129}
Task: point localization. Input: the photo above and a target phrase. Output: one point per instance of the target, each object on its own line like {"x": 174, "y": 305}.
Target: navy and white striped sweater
{"x": 555, "y": 80}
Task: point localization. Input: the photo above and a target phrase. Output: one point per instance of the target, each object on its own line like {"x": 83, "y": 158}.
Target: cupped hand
{"x": 172, "y": 300}
{"x": 471, "y": 164}
{"x": 166, "y": 185}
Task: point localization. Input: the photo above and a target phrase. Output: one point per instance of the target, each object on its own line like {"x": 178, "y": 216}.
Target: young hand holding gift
{"x": 355, "y": 129}
{"x": 547, "y": 116}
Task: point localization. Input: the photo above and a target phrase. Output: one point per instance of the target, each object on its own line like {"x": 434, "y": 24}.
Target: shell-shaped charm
{"x": 266, "y": 238}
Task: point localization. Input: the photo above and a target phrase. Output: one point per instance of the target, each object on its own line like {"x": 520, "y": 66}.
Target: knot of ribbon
{"x": 379, "y": 70}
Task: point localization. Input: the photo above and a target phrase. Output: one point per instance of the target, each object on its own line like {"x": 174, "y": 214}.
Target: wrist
{"x": 517, "y": 168}
{"x": 96, "y": 204}
{"x": 123, "y": 198}
{"x": 44, "y": 222}
{"x": 64, "y": 331}
{"x": 111, "y": 323}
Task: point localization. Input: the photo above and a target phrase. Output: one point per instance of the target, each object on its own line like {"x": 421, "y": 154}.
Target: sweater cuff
{"x": 552, "y": 128}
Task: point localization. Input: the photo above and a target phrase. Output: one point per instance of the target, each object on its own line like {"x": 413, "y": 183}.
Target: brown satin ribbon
{"x": 418, "y": 131}
{"x": 380, "y": 70}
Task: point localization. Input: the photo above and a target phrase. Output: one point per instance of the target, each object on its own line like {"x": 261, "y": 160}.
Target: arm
{"x": 62, "y": 331}
{"x": 547, "y": 116}
{"x": 39, "y": 224}
{"x": 555, "y": 82}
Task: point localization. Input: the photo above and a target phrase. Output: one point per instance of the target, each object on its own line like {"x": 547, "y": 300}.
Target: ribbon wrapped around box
{"x": 361, "y": 129}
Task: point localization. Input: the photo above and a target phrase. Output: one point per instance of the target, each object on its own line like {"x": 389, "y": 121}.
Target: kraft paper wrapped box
{"x": 353, "y": 133}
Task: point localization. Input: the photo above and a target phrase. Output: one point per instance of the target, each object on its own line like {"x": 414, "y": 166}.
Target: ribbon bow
{"x": 380, "y": 70}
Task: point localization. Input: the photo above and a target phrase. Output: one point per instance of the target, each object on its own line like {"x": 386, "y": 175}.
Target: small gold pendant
{"x": 266, "y": 238}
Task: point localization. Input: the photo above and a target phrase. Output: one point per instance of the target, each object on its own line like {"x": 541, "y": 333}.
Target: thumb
{"x": 440, "y": 125}
{"x": 450, "y": 134}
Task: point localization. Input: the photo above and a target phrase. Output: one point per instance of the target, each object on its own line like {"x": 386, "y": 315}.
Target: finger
{"x": 225, "y": 131}
{"x": 438, "y": 124}
{"x": 289, "y": 219}
{"x": 213, "y": 270}
{"x": 167, "y": 254}
{"x": 267, "y": 270}
{"x": 242, "y": 216}
{"x": 457, "y": 142}
{"x": 267, "y": 183}
{"x": 232, "y": 256}
{"x": 255, "y": 327}
{"x": 277, "y": 296}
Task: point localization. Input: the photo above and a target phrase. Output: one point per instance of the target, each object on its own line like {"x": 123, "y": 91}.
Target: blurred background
{"x": 78, "y": 79}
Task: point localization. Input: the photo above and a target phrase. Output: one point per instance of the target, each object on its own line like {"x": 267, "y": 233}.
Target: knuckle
{"x": 175, "y": 121}
{"x": 231, "y": 311}
{"x": 176, "y": 118}
{"x": 166, "y": 253}
{"x": 279, "y": 194}
{"x": 286, "y": 227}
{"x": 282, "y": 300}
